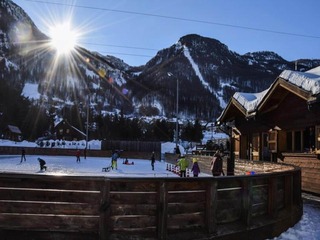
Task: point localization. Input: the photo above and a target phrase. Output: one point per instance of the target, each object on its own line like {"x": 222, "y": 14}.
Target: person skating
{"x": 195, "y": 168}
{"x": 183, "y": 164}
{"x": 85, "y": 153}
{"x": 42, "y": 164}
{"x": 153, "y": 159}
{"x": 216, "y": 165}
{"x": 114, "y": 160}
{"x": 23, "y": 155}
{"x": 78, "y": 155}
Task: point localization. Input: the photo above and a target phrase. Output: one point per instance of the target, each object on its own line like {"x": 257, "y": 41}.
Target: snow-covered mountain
{"x": 208, "y": 74}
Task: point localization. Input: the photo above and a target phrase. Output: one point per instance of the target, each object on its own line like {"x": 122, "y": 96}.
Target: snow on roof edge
{"x": 249, "y": 101}
{"x": 309, "y": 81}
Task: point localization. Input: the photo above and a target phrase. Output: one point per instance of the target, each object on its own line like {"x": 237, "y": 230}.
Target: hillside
{"x": 207, "y": 72}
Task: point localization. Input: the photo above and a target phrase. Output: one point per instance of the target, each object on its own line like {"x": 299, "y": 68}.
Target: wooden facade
{"x": 12, "y": 133}
{"x": 69, "y": 207}
{"x": 65, "y": 131}
{"x": 283, "y": 123}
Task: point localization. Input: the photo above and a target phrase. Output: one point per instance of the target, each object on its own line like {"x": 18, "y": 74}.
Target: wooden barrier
{"x": 310, "y": 169}
{"x": 9, "y": 150}
{"x": 68, "y": 207}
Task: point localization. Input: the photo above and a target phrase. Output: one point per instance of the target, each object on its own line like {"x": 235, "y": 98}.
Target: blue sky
{"x": 135, "y": 30}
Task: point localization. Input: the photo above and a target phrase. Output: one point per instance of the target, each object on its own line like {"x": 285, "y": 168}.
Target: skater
{"x": 216, "y": 165}
{"x": 42, "y": 164}
{"x": 177, "y": 150}
{"x": 153, "y": 159}
{"x": 78, "y": 155}
{"x": 126, "y": 162}
{"x": 85, "y": 153}
{"x": 195, "y": 168}
{"x": 114, "y": 159}
{"x": 23, "y": 155}
{"x": 183, "y": 164}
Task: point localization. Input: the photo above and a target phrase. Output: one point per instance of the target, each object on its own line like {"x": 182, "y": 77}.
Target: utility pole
{"x": 87, "y": 129}
{"x": 177, "y": 109}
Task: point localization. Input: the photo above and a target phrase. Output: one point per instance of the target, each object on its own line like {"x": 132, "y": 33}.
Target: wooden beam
{"x": 104, "y": 230}
{"x": 162, "y": 210}
{"x": 211, "y": 207}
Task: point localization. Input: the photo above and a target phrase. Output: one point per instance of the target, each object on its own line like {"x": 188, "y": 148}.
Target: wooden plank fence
{"x": 69, "y": 207}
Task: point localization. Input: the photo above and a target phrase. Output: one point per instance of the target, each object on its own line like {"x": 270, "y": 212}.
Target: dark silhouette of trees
{"x": 192, "y": 132}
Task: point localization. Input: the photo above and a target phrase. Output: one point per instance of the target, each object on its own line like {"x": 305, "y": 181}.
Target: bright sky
{"x": 135, "y": 30}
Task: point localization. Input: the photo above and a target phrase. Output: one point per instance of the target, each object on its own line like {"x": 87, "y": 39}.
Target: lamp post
{"x": 177, "y": 109}
{"x": 87, "y": 129}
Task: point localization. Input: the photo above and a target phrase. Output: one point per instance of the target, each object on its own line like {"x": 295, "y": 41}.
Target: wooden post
{"x": 272, "y": 199}
{"x": 247, "y": 201}
{"x": 288, "y": 192}
{"x": 104, "y": 227}
{"x": 162, "y": 210}
{"x": 211, "y": 207}
{"x": 230, "y": 159}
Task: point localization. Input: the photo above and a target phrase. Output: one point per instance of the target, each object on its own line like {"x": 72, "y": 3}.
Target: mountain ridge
{"x": 207, "y": 73}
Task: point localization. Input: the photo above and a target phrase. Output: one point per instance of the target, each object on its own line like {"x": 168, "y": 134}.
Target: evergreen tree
{"x": 192, "y": 132}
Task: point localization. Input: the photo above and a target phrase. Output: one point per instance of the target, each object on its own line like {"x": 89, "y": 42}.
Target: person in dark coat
{"x": 216, "y": 165}
{"x": 153, "y": 159}
{"x": 195, "y": 168}
{"x": 23, "y": 155}
{"x": 85, "y": 153}
{"x": 177, "y": 150}
{"x": 42, "y": 164}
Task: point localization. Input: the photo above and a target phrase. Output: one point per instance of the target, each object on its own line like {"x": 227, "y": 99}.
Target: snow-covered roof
{"x": 249, "y": 100}
{"x": 308, "y": 81}
{"x": 14, "y": 129}
{"x": 76, "y": 129}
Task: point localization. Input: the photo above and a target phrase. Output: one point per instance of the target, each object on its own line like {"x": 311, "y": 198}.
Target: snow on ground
{"x": 91, "y": 166}
{"x": 93, "y": 144}
{"x": 308, "y": 228}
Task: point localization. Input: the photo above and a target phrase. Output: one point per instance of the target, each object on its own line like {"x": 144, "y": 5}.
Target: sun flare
{"x": 63, "y": 38}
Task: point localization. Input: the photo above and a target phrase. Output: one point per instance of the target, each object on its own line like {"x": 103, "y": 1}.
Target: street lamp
{"x": 177, "y": 108}
{"x": 87, "y": 129}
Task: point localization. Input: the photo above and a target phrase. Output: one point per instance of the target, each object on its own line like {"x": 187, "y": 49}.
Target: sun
{"x": 63, "y": 38}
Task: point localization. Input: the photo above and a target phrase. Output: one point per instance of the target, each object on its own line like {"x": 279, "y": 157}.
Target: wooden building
{"x": 65, "y": 131}
{"x": 281, "y": 123}
{"x": 12, "y": 133}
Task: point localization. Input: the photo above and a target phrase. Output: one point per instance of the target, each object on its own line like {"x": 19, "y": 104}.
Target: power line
{"x": 118, "y": 46}
{"x": 127, "y": 54}
{"x": 179, "y": 18}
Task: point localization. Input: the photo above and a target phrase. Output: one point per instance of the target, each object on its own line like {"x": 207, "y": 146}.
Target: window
{"x": 301, "y": 140}
{"x": 255, "y": 142}
{"x": 289, "y": 141}
{"x": 309, "y": 139}
{"x": 273, "y": 138}
{"x": 317, "y": 139}
{"x": 297, "y": 141}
